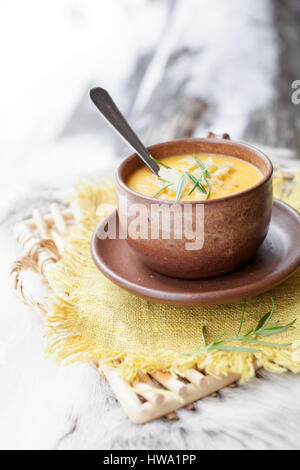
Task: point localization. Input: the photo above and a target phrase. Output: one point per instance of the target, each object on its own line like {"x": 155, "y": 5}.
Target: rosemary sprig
{"x": 161, "y": 163}
{"x": 205, "y": 174}
{"x": 161, "y": 189}
{"x": 209, "y": 188}
{"x": 278, "y": 329}
{"x": 202, "y": 166}
{"x": 196, "y": 183}
{"x": 181, "y": 184}
{"x": 193, "y": 188}
{"x": 162, "y": 179}
{"x": 180, "y": 188}
{"x": 242, "y": 317}
{"x": 263, "y": 328}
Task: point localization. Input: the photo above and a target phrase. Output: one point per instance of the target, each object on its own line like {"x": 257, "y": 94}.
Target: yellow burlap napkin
{"x": 95, "y": 319}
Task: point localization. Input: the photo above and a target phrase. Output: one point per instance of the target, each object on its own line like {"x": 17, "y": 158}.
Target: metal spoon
{"x": 113, "y": 116}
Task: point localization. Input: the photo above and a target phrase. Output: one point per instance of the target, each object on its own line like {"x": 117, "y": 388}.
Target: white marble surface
{"x": 52, "y": 52}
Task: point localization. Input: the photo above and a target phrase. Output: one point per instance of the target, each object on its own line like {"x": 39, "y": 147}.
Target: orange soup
{"x": 195, "y": 177}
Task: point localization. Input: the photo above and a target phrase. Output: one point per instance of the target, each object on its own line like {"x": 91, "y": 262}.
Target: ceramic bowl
{"x": 234, "y": 227}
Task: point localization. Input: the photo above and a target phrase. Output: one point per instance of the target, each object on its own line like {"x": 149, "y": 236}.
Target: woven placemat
{"x": 42, "y": 238}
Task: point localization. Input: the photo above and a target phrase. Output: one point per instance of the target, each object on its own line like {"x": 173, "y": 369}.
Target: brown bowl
{"x": 234, "y": 226}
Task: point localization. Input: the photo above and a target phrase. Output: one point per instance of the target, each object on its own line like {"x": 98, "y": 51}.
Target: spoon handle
{"x": 112, "y": 114}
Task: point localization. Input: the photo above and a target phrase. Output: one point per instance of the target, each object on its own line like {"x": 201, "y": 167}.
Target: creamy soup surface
{"x": 221, "y": 176}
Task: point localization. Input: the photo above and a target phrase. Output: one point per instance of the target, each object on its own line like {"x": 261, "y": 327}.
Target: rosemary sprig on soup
{"x": 195, "y": 177}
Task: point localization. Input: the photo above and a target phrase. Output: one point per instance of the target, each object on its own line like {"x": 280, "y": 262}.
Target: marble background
{"x": 176, "y": 68}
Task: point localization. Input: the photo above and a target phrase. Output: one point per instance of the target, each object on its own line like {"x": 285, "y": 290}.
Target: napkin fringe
{"x": 70, "y": 347}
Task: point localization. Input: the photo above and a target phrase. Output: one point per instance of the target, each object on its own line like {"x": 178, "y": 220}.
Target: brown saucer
{"x": 277, "y": 258}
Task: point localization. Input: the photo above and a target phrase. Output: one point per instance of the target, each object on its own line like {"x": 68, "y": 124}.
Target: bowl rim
{"x": 269, "y": 166}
